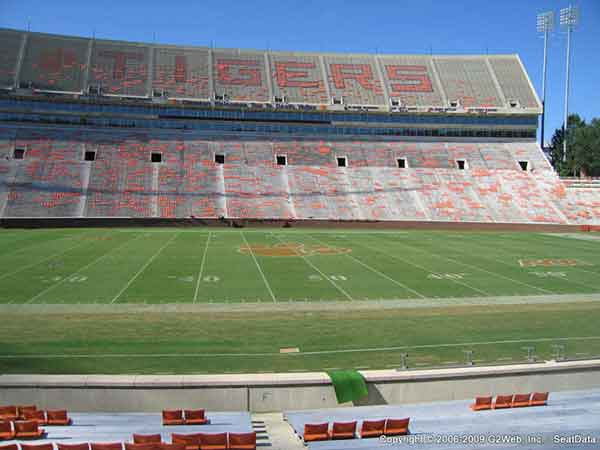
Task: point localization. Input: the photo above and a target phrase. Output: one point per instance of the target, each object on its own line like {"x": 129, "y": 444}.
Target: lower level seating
{"x": 181, "y": 174}
{"x": 37, "y": 188}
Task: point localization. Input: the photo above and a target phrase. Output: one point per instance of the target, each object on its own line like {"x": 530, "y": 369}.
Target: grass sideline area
{"x": 164, "y": 343}
{"x": 154, "y": 266}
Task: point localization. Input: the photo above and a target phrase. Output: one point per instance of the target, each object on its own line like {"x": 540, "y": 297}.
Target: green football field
{"x": 340, "y": 298}
{"x": 226, "y": 266}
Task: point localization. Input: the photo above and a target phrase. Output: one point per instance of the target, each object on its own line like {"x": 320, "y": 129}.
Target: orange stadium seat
{"x": 213, "y": 441}
{"x": 9, "y": 446}
{"x": 48, "y": 446}
{"x": 191, "y": 441}
{"x": 503, "y": 401}
{"x": 58, "y": 417}
{"x": 82, "y": 446}
{"x": 147, "y": 438}
{"x": 8, "y": 413}
{"x": 242, "y": 441}
{"x": 316, "y": 432}
{"x": 28, "y": 429}
{"x": 539, "y": 399}
{"x": 195, "y": 417}
{"x": 22, "y": 411}
{"x": 372, "y": 428}
{"x": 481, "y": 403}
{"x": 173, "y": 417}
{"x": 167, "y": 446}
{"x": 106, "y": 446}
{"x": 396, "y": 427}
{"x": 6, "y": 431}
{"x": 521, "y": 400}
{"x": 37, "y": 415}
{"x": 148, "y": 446}
{"x": 343, "y": 430}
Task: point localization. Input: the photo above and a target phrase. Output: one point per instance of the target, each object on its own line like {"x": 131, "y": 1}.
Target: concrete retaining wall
{"x": 80, "y": 222}
{"x": 279, "y": 392}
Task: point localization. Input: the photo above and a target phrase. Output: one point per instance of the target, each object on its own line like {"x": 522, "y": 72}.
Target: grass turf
{"x": 174, "y": 266}
{"x": 327, "y": 340}
{"x": 202, "y": 266}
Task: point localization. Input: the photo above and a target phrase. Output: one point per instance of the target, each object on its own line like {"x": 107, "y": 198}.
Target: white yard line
{"x": 545, "y": 291}
{"x": 335, "y": 285}
{"x": 372, "y": 269}
{"x": 294, "y": 355}
{"x": 201, "y": 269}
{"x": 259, "y": 268}
{"x": 425, "y": 269}
{"x": 516, "y": 257}
{"x": 54, "y": 255}
{"x": 53, "y": 286}
{"x": 152, "y": 258}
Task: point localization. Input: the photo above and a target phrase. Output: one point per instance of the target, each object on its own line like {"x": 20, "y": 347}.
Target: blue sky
{"x": 398, "y": 26}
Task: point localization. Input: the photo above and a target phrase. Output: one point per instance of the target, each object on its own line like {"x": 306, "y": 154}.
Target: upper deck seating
{"x": 513, "y": 81}
{"x": 120, "y": 69}
{"x": 298, "y": 78}
{"x": 181, "y": 73}
{"x": 354, "y": 80}
{"x": 240, "y": 76}
{"x": 10, "y": 46}
{"x": 54, "y": 63}
{"x": 468, "y": 81}
{"x": 411, "y": 81}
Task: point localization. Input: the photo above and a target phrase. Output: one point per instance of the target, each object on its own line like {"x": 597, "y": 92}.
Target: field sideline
{"x": 152, "y": 343}
{"x": 156, "y": 266}
{"x": 445, "y": 293}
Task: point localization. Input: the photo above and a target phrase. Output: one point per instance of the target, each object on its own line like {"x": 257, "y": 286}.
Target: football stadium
{"x": 287, "y": 249}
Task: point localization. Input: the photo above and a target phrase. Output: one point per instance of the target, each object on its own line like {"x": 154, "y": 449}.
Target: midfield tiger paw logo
{"x": 292, "y": 249}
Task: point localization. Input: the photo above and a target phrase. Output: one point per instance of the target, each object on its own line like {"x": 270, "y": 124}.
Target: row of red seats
{"x": 94, "y": 446}
{"x": 184, "y": 417}
{"x": 213, "y": 441}
{"x": 27, "y": 429}
{"x": 15, "y": 412}
{"x": 198, "y": 441}
{"x": 12, "y": 413}
{"x": 347, "y": 430}
{"x": 510, "y": 401}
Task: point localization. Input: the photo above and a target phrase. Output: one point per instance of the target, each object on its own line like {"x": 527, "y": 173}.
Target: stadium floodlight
{"x": 569, "y": 19}
{"x": 545, "y": 24}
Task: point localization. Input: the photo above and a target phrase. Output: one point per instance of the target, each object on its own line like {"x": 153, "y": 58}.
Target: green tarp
{"x": 349, "y": 385}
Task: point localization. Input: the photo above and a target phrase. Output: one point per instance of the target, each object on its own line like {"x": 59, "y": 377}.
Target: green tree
{"x": 565, "y": 168}
{"x": 585, "y": 149}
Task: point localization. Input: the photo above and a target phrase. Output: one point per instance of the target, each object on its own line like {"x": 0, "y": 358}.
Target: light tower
{"x": 569, "y": 19}
{"x": 545, "y": 24}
